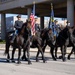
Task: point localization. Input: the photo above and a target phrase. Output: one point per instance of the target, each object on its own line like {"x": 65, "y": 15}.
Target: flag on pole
{"x": 51, "y": 23}
{"x": 32, "y": 18}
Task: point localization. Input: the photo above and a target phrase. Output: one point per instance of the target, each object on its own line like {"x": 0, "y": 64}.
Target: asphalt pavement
{"x": 36, "y": 68}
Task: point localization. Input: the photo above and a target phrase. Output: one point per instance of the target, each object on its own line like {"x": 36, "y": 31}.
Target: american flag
{"x": 32, "y": 18}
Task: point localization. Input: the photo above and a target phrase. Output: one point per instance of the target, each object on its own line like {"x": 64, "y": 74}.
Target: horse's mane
{"x": 44, "y": 34}
{"x": 45, "y": 30}
{"x": 24, "y": 25}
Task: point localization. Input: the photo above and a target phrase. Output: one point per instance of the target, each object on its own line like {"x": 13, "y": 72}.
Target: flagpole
{"x": 34, "y": 7}
{"x": 52, "y": 17}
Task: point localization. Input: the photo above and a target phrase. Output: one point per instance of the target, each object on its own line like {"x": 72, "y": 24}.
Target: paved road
{"x": 37, "y": 68}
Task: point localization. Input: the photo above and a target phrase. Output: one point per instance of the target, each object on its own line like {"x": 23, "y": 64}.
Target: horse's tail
{"x": 6, "y": 52}
{"x": 6, "y": 49}
{"x": 7, "y": 45}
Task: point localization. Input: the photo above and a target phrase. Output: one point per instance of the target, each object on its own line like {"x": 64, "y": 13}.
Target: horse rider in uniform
{"x": 37, "y": 28}
{"x": 55, "y": 30}
{"x": 18, "y": 25}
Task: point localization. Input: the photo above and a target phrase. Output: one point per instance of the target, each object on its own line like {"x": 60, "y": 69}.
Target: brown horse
{"x": 22, "y": 40}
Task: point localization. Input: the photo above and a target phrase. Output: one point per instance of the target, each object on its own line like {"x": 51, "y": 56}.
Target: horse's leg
{"x": 37, "y": 56}
{"x": 28, "y": 53}
{"x": 40, "y": 49}
{"x": 56, "y": 48}
{"x": 43, "y": 56}
{"x": 43, "y": 49}
{"x": 52, "y": 53}
{"x": 19, "y": 54}
{"x": 7, "y": 52}
{"x": 63, "y": 53}
{"x": 60, "y": 57}
{"x": 13, "y": 52}
{"x": 52, "y": 50}
{"x": 70, "y": 53}
{"x": 24, "y": 55}
{"x": 8, "y": 58}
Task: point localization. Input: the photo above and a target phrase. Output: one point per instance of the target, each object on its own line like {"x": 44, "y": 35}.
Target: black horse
{"x": 47, "y": 39}
{"x": 36, "y": 43}
{"x": 72, "y": 41}
{"x": 62, "y": 41}
{"x": 22, "y": 40}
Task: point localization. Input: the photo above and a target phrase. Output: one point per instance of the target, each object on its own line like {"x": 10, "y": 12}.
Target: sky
{"x": 9, "y": 15}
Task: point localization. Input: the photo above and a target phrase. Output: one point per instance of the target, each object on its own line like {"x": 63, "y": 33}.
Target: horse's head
{"x": 50, "y": 31}
{"x": 50, "y": 36}
{"x": 28, "y": 24}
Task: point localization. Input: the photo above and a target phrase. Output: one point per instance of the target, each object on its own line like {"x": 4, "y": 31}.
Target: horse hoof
{"x": 7, "y": 60}
{"x": 55, "y": 56}
{"x": 44, "y": 61}
{"x": 26, "y": 59}
{"x": 60, "y": 57}
{"x": 13, "y": 61}
{"x": 64, "y": 59}
{"x": 37, "y": 60}
{"x": 23, "y": 58}
{"x": 54, "y": 59}
{"x": 68, "y": 58}
{"x": 29, "y": 63}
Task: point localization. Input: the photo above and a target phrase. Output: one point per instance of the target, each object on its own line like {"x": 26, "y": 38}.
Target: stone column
{"x": 70, "y": 11}
{"x": 3, "y": 26}
{"x": 42, "y": 22}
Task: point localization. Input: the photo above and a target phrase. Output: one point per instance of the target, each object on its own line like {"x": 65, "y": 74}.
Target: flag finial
{"x": 33, "y": 2}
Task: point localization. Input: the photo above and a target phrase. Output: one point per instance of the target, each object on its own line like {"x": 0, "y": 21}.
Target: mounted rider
{"x": 56, "y": 28}
{"x": 18, "y": 25}
{"x": 37, "y": 27}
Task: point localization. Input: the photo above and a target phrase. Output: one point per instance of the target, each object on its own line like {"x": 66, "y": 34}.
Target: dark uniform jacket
{"x": 37, "y": 28}
{"x": 18, "y": 25}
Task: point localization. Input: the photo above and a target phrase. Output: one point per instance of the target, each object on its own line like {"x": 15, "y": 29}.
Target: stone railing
{"x": 4, "y": 1}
